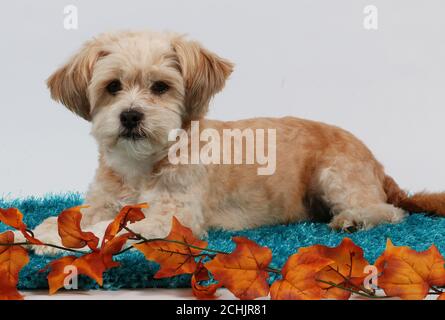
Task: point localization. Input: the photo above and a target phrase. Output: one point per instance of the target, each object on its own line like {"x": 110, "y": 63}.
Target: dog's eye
{"x": 114, "y": 87}
{"x": 159, "y": 87}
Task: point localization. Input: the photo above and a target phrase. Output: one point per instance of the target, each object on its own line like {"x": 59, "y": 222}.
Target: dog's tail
{"x": 422, "y": 202}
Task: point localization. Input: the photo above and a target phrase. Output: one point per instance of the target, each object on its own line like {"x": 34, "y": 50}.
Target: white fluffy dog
{"x": 136, "y": 87}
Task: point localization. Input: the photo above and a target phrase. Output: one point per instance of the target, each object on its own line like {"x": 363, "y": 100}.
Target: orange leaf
{"x": 201, "y": 291}
{"x": 92, "y": 265}
{"x": 128, "y": 214}
{"x": 8, "y": 289}
{"x": 173, "y": 256}
{"x": 12, "y": 260}
{"x": 31, "y": 238}
{"x": 14, "y": 218}
{"x": 408, "y": 274}
{"x": 347, "y": 268}
{"x": 244, "y": 271}
{"x": 70, "y": 232}
{"x": 96, "y": 263}
{"x": 57, "y": 275}
{"x": 299, "y": 277}
{"x": 112, "y": 247}
{"x": 441, "y": 297}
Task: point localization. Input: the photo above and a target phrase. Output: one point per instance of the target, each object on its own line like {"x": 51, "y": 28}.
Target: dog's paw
{"x": 47, "y": 251}
{"x": 49, "y": 238}
{"x": 18, "y": 236}
{"x": 366, "y": 218}
{"x": 345, "y": 222}
{"x": 47, "y": 233}
{"x": 40, "y": 249}
{"x": 150, "y": 230}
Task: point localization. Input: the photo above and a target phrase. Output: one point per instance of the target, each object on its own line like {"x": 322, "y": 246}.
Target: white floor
{"x": 124, "y": 294}
{"x": 137, "y": 294}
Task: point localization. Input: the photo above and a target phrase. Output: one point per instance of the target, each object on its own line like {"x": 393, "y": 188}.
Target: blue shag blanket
{"x": 417, "y": 231}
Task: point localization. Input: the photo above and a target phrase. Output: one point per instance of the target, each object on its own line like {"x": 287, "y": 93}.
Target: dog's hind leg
{"x": 366, "y": 217}
{"x": 354, "y": 192}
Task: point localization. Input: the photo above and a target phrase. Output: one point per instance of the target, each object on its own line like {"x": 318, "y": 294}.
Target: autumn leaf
{"x": 110, "y": 248}
{"x": 96, "y": 263}
{"x": 14, "y": 218}
{"x": 409, "y": 274}
{"x": 8, "y": 289}
{"x": 176, "y": 253}
{"x": 12, "y": 260}
{"x": 93, "y": 264}
{"x": 347, "y": 269}
{"x": 56, "y": 277}
{"x": 70, "y": 232}
{"x": 299, "y": 277}
{"x": 204, "y": 292}
{"x": 244, "y": 271}
{"x": 201, "y": 291}
{"x": 441, "y": 297}
{"x": 128, "y": 214}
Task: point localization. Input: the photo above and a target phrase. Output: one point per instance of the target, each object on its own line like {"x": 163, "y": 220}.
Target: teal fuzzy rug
{"x": 417, "y": 231}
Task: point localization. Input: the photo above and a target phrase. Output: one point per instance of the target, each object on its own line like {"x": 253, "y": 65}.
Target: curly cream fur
{"x": 319, "y": 167}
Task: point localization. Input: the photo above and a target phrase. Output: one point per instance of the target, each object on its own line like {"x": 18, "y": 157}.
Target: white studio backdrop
{"x": 311, "y": 59}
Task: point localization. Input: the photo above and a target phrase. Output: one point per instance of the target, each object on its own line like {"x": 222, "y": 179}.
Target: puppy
{"x": 137, "y": 87}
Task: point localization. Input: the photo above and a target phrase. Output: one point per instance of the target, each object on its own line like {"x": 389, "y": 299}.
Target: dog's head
{"x": 135, "y": 87}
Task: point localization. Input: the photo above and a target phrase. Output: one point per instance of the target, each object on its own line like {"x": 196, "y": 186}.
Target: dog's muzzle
{"x": 130, "y": 121}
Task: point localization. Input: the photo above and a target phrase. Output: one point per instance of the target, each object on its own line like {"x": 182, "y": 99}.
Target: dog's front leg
{"x": 163, "y": 207}
{"x": 47, "y": 232}
{"x": 94, "y": 218}
{"x": 156, "y": 224}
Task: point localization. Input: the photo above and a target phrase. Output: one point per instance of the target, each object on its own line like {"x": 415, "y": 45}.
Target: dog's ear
{"x": 69, "y": 84}
{"x": 204, "y": 74}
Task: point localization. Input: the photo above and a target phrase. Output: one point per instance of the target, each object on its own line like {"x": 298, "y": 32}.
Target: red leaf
{"x": 111, "y": 247}
{"x": 174, "y": 258}
{"x": 408, "y": 274}
{"x": 128, "y": 214}
{"x": 92, "y": 264}
{"x": 244, "y": 271}
{"x": 201, "y": 291}
{"x": 299, "y": 277}
{"x": 12, "y": 260}
{"x": 57, "y": 275}
{"x": 8, "y": 289}
{"x": 348, "y": 262}
{"x": 70, "y": 232}
{"x": 14, "y": 218}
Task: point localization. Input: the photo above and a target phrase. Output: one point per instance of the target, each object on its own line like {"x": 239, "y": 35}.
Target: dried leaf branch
{"x": 315, "y": 272}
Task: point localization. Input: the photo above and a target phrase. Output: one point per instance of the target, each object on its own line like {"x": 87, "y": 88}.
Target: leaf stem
{"x": 363, "y": 294}
{"x": 436, "y": 291}
{"x": 348, "y": 280}
{"x": 145, "y": 240}
{"x": 44, "y": 244}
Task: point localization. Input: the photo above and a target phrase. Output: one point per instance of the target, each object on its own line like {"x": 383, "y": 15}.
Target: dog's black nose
{"x": 130, "y": 119}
